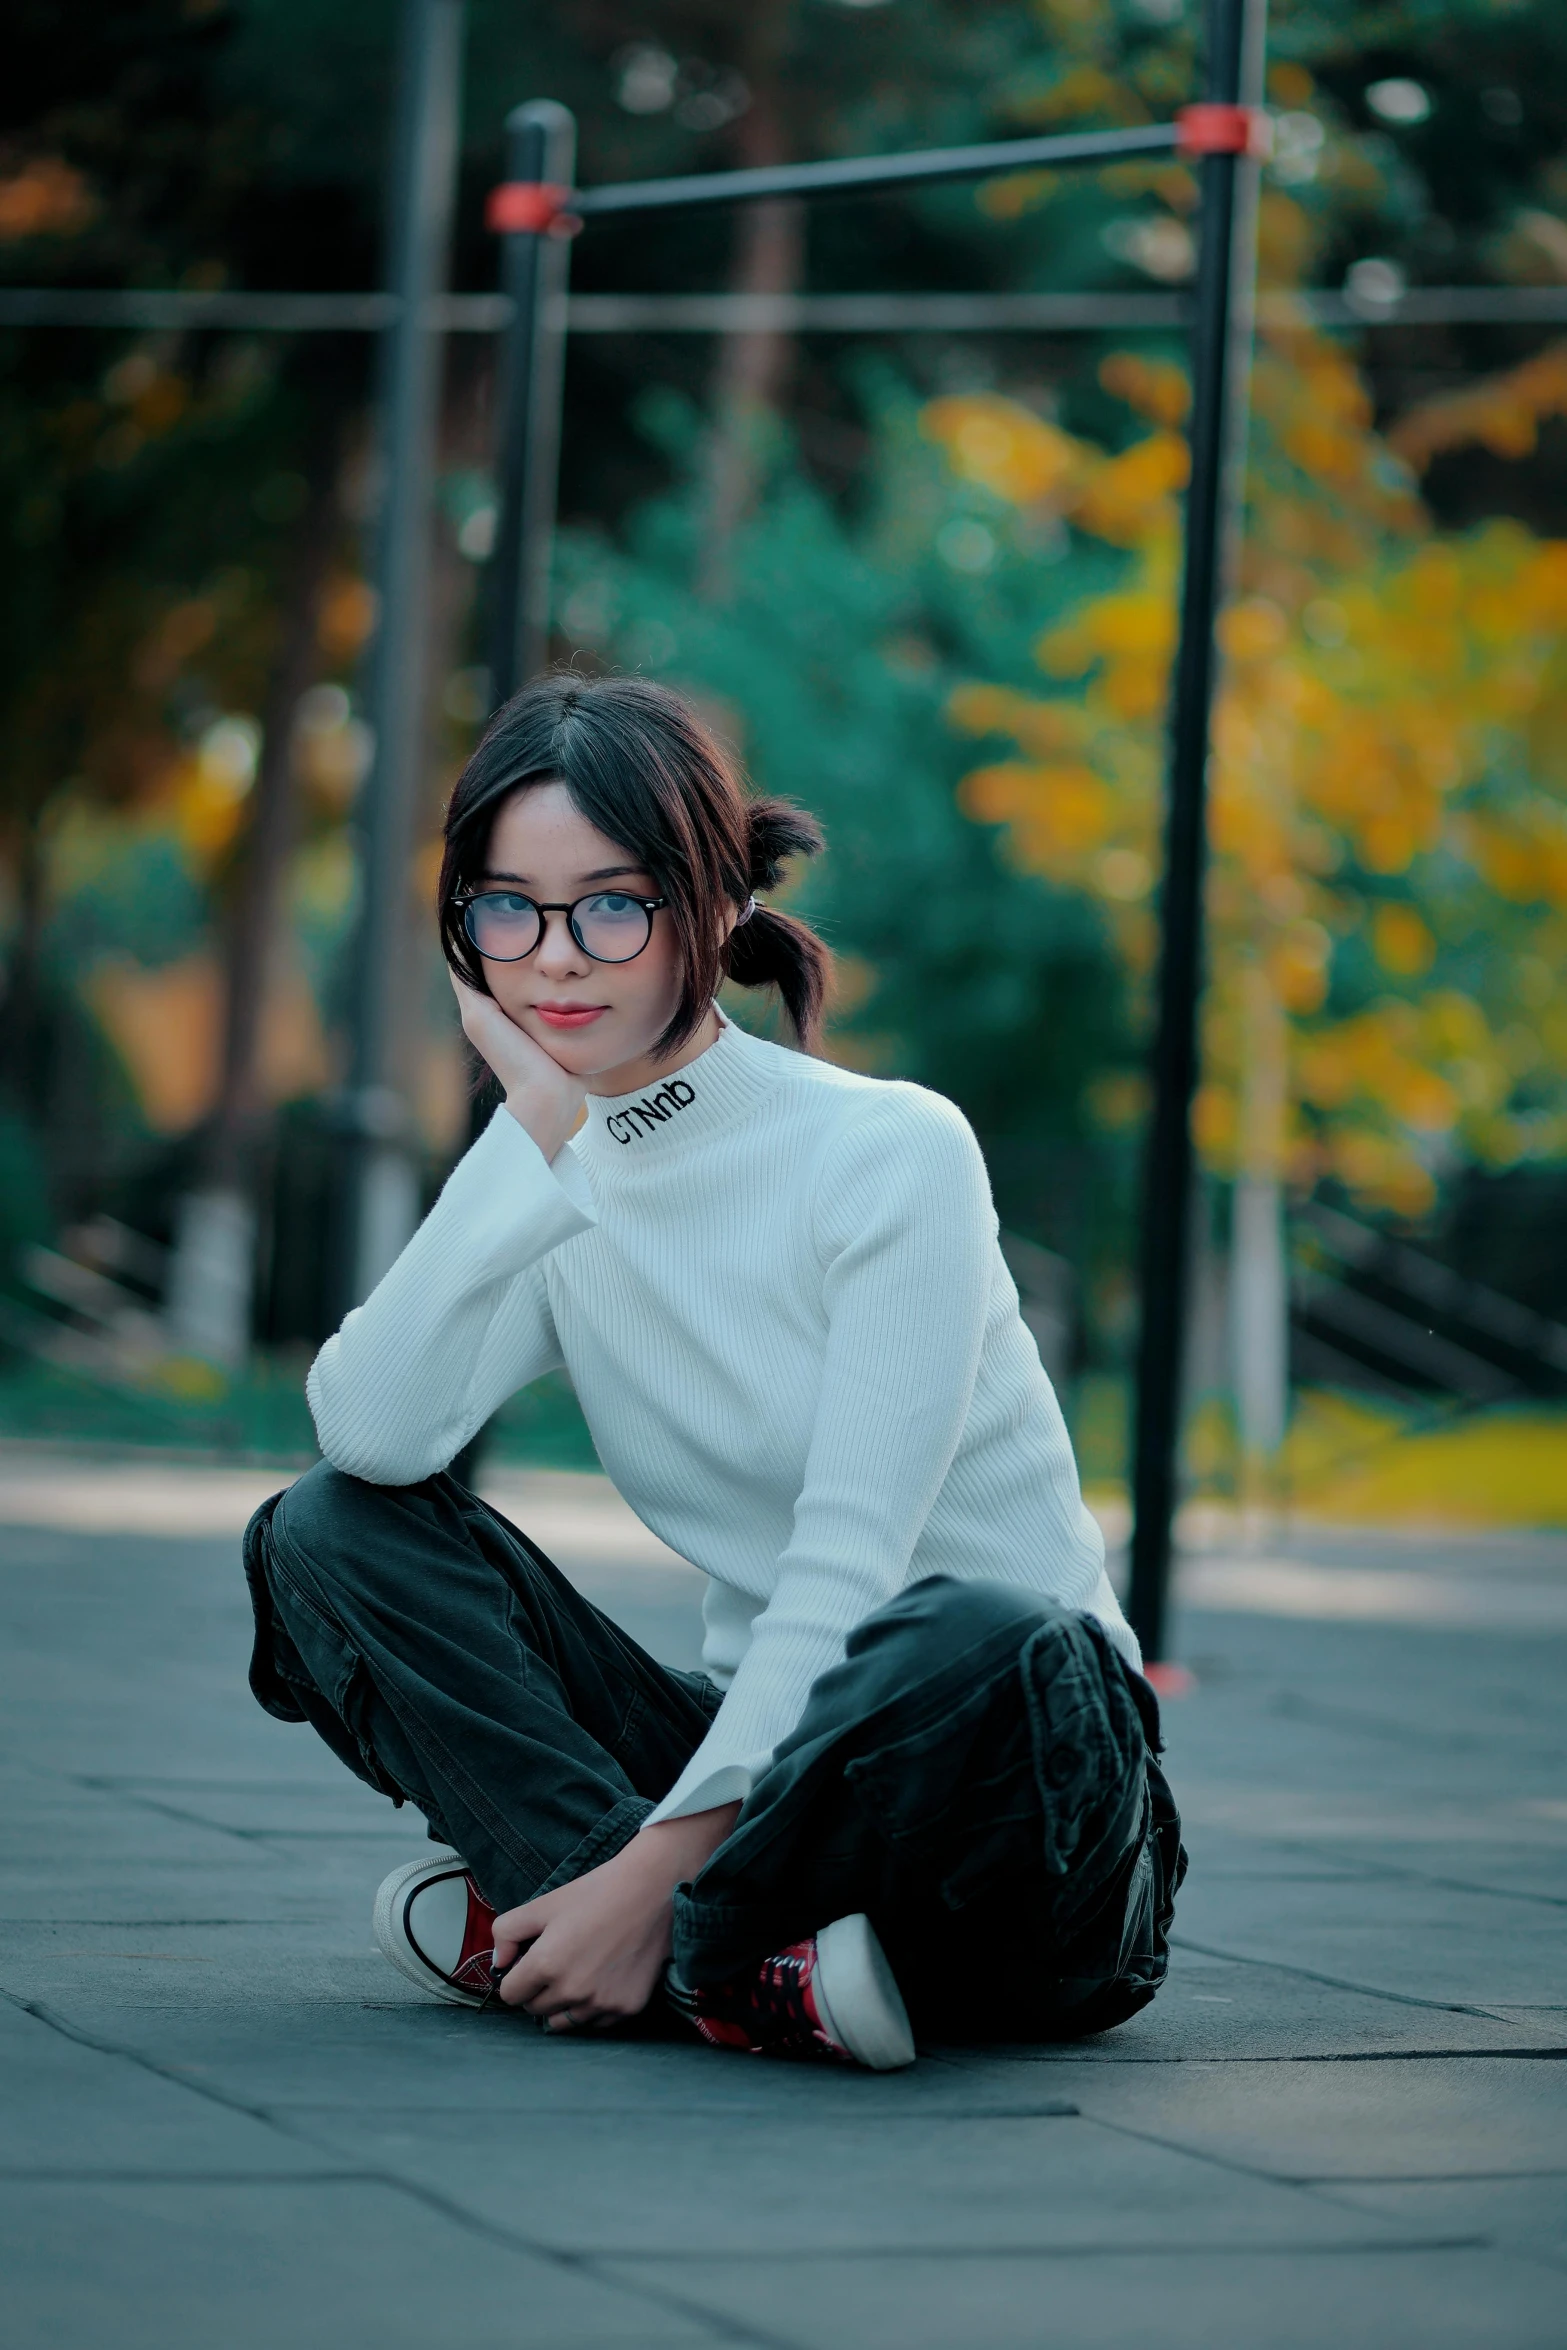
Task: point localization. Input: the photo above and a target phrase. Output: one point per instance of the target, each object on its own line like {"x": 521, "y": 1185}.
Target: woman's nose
{"x": 558, "y": 950}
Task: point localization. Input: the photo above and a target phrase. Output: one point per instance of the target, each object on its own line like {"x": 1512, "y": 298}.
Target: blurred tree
{"x": 155, "y": 493}
{"x": 155, "y": 490}
{"x": 1388, "y": 895}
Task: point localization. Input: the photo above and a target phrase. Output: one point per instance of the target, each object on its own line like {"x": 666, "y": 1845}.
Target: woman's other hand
{"x": 591, "y": 1953}
{"x": 545, "y": 1099}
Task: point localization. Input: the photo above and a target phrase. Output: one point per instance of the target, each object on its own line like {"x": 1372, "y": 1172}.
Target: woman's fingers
{"x": 514, "y": 1929}
{"x": 524, "y": 1982}
{"x": 561, "y": 2001}
{"x": 521, "y": 1924}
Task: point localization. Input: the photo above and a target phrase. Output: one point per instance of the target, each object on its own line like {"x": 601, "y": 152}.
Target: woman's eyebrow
{"x": 602, "y": 873}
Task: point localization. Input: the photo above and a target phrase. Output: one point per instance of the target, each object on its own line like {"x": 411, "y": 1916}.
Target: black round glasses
{"x": 610, "y": 925}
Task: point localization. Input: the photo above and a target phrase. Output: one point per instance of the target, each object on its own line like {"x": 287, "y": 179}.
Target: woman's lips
{"x": 570, "y": 1015}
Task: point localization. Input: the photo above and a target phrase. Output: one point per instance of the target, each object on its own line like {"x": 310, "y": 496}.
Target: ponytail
{"x": 774, "y": 950}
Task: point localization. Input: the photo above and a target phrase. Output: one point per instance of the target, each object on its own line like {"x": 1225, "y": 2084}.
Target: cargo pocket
{"x": 326, "y": 1683}
{"x": 1089, "y": 1756}
{"x": 955, "y": 1798}
{"x": 271, "y": 1647}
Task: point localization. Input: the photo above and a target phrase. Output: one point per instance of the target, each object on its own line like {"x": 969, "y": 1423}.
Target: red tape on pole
{"x": 530, "y": 208}
{"x": 1224, "y": 130}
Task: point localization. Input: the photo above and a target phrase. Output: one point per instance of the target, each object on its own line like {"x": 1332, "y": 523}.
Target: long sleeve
{"x": 906, "y": 1236}
{"x": 460, "y": 1322}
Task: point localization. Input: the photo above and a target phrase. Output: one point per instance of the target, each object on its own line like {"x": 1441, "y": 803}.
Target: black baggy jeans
{"x": 978, "y": 1774}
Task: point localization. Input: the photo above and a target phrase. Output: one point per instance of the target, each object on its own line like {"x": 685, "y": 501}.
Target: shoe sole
{"x": 857, "y": 1998}
{"x": 392, "y": 1935}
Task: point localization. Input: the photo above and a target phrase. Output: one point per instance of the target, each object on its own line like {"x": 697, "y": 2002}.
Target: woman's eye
{"x": 506, "y": 901}
{"x": 611, "y": 901}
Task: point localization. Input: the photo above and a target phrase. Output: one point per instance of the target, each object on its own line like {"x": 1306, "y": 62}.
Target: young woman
{"x": 915, "y": 1779}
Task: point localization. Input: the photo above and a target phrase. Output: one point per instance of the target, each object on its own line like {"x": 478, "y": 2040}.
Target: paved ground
{"x": 225, "y": 2119}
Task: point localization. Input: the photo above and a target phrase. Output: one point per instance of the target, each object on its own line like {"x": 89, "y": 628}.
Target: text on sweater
{"x": 653, "y": 1110}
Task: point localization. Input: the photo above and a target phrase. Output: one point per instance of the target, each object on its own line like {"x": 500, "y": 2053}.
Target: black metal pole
{"x": 541, "y": 146}
{"x": 541, "y": 143}
{"x": 383, "y": 1191}
{"x": 1168, "y": 1169}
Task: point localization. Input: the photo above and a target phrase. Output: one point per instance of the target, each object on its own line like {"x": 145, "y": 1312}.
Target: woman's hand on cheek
{"x": 545, "y": 1099}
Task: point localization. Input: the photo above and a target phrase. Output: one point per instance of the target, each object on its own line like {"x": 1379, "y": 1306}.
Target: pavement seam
{"x": 1122, "y": 2249}
{"x": 1412, "y": 1876}
{"x": 1363, "y": 1871}
{"x": 1335, "y": 1982}
{"x": 188, "y": 2178}
{"x": 1315, "y": 2056}
{"x": 1426, "y": 2178}
{"x": 576, "y": 2264}
{"x": 1231, "y": 2164}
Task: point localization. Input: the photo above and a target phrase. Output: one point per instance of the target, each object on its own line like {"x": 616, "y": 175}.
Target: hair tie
{"x": 745, "y": 913}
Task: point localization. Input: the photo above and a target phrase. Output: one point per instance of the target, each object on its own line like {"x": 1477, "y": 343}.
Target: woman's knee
{"x": 938, "y": 1625}
{"x": 320, "y": 1509}
{"x": 341, "y": 1531}
{"x": 950, "y": 1617}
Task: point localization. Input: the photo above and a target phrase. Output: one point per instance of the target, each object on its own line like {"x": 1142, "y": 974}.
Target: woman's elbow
{"x": 365, "y": 1443}
{"x": 374, "y": 1463}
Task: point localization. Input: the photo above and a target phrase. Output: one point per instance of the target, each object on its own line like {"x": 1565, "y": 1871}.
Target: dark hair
{"x": 641, "y": 766}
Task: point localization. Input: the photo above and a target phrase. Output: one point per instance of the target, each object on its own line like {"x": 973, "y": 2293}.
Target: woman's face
{"x": 592, "y": 1018}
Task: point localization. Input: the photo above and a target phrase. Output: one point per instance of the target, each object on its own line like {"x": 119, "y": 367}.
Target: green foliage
{"x": 149, "y": 487}
{"x": 831, "y": 663}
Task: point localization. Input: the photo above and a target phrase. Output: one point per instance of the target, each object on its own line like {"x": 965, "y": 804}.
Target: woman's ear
{"x": 732, "y": 917}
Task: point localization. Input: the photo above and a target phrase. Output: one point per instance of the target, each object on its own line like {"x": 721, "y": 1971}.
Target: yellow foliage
{"x": 348, "y": 614}
{"x": 1503, "y": 414}
{"x": 1290, "y": 84}
{"x": 1370, "y": 670}
{"x": 167, "y": 1027}
{"x": 1123, "y": 498}
{"x": 1253, "y": 629}
{"x": 1003, "y": 447}
{"x": 1059, "y": 812}
{"x": 1214, "y": 1122}
{"x": 1039, "y": 727}
{"x": 1154, "y": 387}
{"x": 1017, "y": 193}
{"x": 1401, "y": 942}
{"x": 1082, "y": 89}
{"x": 1501, "y": 1468}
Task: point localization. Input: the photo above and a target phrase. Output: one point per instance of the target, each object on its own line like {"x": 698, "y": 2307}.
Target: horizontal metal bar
{"x": 1042, "y": 313}
{"x": 869, "y": 314}
{"x": 178, "y": 309}
{"x": 865, "y": 174}
{"x": 175, "y": 309}
{"x": 1422, "y": 306}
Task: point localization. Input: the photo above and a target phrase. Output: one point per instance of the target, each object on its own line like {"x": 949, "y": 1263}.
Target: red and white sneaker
{"x": 435, "y": 1926}
{"x": 832, "y": 1997}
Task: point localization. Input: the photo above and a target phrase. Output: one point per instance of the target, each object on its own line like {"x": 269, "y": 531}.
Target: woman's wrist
{"x": 681, "y": 1846}
{"x": 549, "y": 1124}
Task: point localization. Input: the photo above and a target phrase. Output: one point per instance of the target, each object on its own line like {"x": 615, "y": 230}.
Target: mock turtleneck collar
{"x": 721, "y": 1086}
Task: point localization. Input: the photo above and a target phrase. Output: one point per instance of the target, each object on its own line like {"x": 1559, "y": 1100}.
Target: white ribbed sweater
{"x": 777, "y": 1288}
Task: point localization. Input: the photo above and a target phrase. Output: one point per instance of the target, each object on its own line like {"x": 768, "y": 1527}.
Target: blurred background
{"x": 917, "y": 559}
